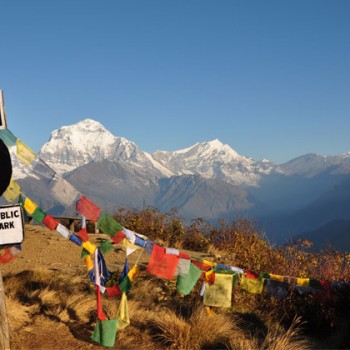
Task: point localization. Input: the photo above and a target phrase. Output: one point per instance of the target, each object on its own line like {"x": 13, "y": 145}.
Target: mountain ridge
{"x": 207, "y": 179}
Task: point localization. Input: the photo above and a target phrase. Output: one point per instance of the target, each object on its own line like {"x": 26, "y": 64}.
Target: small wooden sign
{"x": 11, "y": 225}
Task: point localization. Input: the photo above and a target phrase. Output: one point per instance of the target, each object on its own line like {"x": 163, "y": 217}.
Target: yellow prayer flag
{"x": 12, "y": 191}
{"x": 127, "y": 244}
{"x": 89, "y": 247}
{"x": 305, "y": 282}
{"x": 29, "y": 206}
{"x": 252, "y": 285}
{"x": 210, "y": 276}
{"x": 132, "y": 274}
{"x": 210, "y": 263}
{"x": 123, "y": 313}
{"x": 24, "y": 153}
{"x": 220, "y": 293}
{"x": 278, "y": 278}
{"x": 88, "y": 262}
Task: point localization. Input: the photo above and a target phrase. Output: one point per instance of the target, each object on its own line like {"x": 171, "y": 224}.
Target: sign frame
{"x": 11, "y": 225}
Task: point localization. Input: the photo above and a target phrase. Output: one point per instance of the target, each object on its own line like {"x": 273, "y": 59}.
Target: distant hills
{"x": 309, "y": 194}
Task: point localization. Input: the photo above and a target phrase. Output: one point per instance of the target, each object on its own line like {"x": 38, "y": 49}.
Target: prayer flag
{"x": 161, "y": 264}
{"x": 29, "y": 206}
{"x": 172, "y": 251}
{"x": 185, "y": 283}
{"x": 125, "y": 271}
{"x": 50, "y": 222}
{"x": 201, "y": 264}
{"x": 106, "y": 246}
{"x": 88, "y": 262}
{"x": 129, "y": 247}
{"x": 63, "y": 231}
{"x": 118, "y": 237}
{"x": 105, "y": 332}
{"x": 83, "y": 235}
{"x": 113, "y": 291}
{"x": 220, "y": 293}
{"x": 126, "y": 283}
{"x": 38, "y": 215}
{"x": 251, "y": 274}
{"x": 88, "y": 209}
{"x": 84, "y": 253}
{"x": 24, "y": 153}
{"x": 8, "y": 137}
{"x": 123, "y": 313}
{"x": 149, "y": 246}
{"x": 75, "y": 239}
{"x": 133, "y": 273}
{"x": 277, "y": 289}
{"x": 108, "y": 225}
{"x": 183, "y": 267}
{"x": 63, "y": 191}
{"x": 13, "y": 191}
{"x": 277, "y": 277}
{"x": 210, "y": 276}
{"x": 130, "y": 235}
{"x": 89, "y": 247}
{"x": 303, "y": 282}
{"x": 41, "y": 169}
{"x": 6, "y": 255}
{"x": 252, "y": 285}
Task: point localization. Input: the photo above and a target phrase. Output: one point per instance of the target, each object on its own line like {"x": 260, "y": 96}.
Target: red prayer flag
{"x": 88, "y": 209}
{"x": 113, "y": 291}
{"x": 251, "y": 274}
{"x": 50, "y": 222}
{"x": 6, "y": 256}
{"x": 118, "y": 237}
{"x": 100, "y": 314}
{"x": 83, "y": 235}
{"x": 161, "y": 264}
{"x": 184, "y": 256}
{"x": 201, "y": 265}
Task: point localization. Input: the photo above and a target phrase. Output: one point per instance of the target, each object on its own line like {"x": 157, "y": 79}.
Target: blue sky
{"x": 269, "y": 78}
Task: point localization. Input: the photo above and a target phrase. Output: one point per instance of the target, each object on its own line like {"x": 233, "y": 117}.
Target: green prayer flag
{"x": 38, "y": 215}
{"x": 108, "y": 225}
{"x": 106, "y": 246}
{"x": 105, "y": 332}
{"x": 84, "y": 253}
{"x": 185, "y": 283}
{"x": 125, "y": 285}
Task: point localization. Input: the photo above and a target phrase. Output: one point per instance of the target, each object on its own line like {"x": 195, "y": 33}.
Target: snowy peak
{"x": 75, "y": 145}
{"x": 208, "y": 150}
{"x": 213, "y": 159}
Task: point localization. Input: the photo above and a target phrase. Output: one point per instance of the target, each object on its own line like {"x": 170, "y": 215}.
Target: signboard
{"x": 11, "y": 225}
{"x": 3, "y": 121}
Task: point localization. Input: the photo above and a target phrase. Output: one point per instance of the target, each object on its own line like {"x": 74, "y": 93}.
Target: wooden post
{"x": 5, "y": 336}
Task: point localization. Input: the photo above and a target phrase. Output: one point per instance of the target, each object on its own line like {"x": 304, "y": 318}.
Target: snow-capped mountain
{"x": 214, "y": 160}
{"x": 311, "y": 164}
{"x": 89, "y": 141}
{"x": 73, "y": 146}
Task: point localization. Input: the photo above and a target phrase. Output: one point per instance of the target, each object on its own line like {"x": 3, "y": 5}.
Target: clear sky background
{"x": 269, "y": 78}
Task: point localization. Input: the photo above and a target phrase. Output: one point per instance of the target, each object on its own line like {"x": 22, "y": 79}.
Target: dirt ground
{"x": 48, "y": 249}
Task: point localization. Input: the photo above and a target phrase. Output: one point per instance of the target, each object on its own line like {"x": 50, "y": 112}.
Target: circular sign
{"x": 5, "y": 166}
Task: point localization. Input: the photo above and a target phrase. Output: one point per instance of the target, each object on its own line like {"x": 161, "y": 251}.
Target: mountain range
{"x": 208, "y": 180}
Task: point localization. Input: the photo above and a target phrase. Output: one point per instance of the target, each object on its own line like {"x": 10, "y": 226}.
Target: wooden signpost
{"x": 11, "y": 233}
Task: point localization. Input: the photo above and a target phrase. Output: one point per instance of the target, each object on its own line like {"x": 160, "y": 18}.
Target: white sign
{"x": 11, "y": 225}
